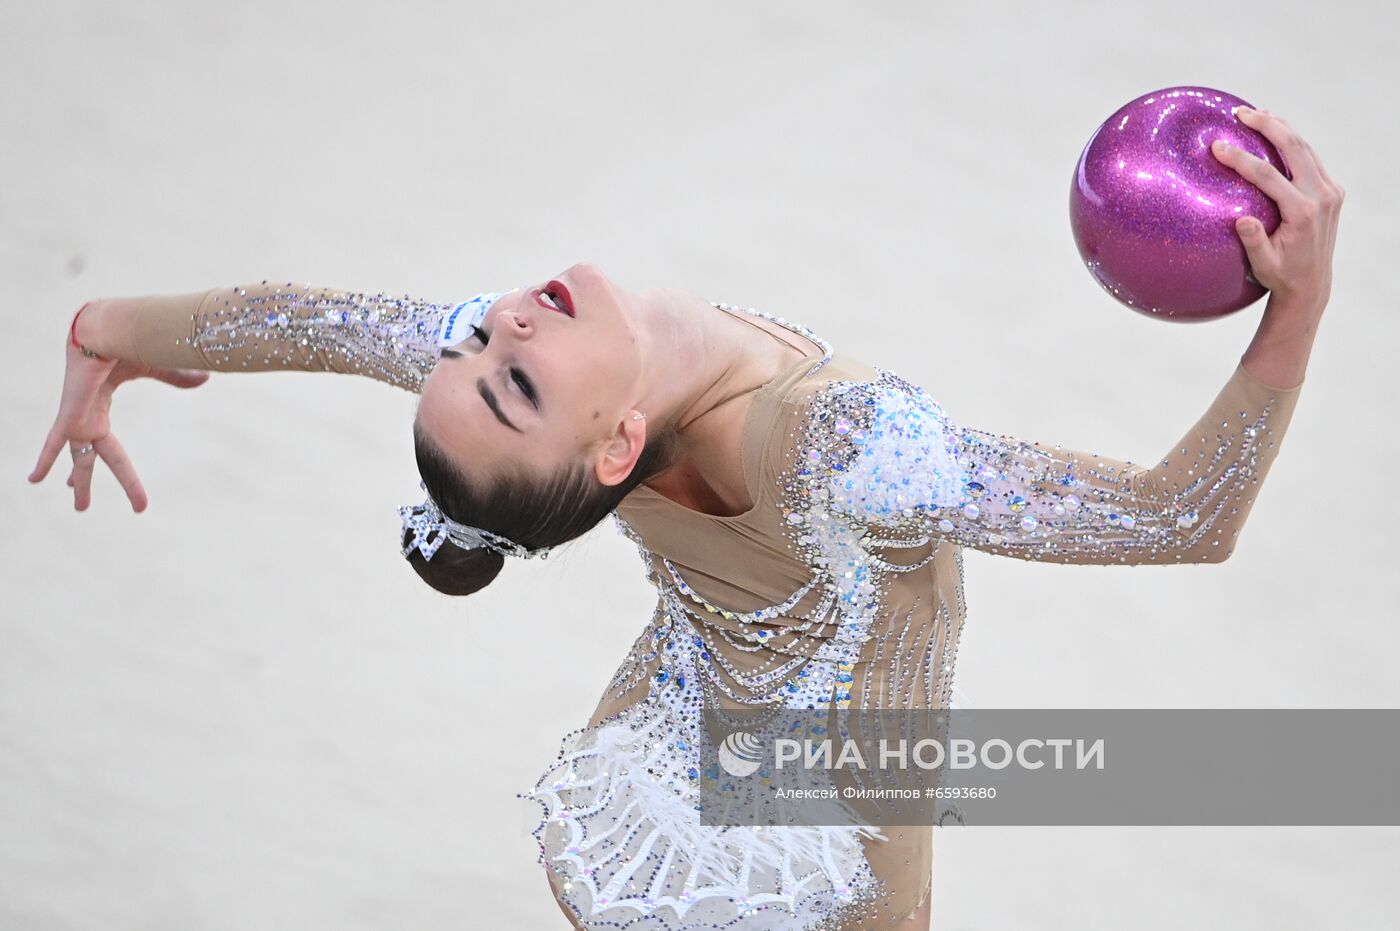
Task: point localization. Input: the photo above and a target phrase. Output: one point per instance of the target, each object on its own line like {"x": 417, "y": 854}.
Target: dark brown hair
{"x": 533, "y": 511}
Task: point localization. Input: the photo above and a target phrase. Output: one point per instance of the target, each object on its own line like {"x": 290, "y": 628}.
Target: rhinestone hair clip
{"x": 430, "y": 527}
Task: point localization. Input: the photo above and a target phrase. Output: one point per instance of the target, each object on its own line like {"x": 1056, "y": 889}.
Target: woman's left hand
{"x": 1295, "y": 263}
{"x": 84, "y": 421}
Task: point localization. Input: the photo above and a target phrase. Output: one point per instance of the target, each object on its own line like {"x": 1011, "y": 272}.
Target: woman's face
{"x": 551, "y": 379}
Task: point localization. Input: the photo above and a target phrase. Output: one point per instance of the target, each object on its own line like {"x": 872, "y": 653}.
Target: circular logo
{"x": 741, "y": 754}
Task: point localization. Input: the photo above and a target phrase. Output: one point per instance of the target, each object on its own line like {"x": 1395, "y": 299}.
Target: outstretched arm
{"x": 897, "y": 462}
{"x": 912, "y": 468}
{"x": 268, "y": 326}
{"x": 1035, "y": 501}
{"x": 250, "y": 328}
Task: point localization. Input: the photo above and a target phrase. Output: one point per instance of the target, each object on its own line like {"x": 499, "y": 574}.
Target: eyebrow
{"x": 487, "y": 394}
{"x": 489, "y": 397}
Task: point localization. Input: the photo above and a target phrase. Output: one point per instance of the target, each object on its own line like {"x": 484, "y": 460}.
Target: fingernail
{"x": 1220, "y": 145}
{"x": 1242, "y": 109}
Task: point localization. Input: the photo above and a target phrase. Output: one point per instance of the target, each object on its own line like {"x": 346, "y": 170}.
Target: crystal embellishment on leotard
{"x": 659, "y": 860}
{"x": 897, "y": 461}
{"x": 394, "y": 339}
{"x": 867, "y": 612}
{"x": 879, "y": 492}
{"x": 620, "y": 825}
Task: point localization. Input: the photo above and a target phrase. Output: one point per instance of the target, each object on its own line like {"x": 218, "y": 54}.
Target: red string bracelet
{"x": 73, "y": 337}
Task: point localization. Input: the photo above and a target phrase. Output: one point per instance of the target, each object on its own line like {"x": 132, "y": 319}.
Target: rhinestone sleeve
{"x": 284, "y": 325}
{"x": 898, "y": 462}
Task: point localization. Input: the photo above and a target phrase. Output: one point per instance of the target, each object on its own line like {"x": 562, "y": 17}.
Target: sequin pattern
{"x": 880, "y": 490}
{"x": 291, "y": 326}
{"x": 620, "y": 819}
{"x": 895, "y": 460}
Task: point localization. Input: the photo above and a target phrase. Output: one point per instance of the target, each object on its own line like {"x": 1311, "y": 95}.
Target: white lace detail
{"x": 622, "y": 832}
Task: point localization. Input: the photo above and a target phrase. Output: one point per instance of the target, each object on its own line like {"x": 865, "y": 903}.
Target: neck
{"x": 699, "y": 360}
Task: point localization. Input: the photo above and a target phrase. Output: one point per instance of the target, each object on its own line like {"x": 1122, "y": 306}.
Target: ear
{"x": 622, "y": 449}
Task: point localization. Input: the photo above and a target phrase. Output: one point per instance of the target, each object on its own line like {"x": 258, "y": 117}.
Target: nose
{"x": 515, "y": 324}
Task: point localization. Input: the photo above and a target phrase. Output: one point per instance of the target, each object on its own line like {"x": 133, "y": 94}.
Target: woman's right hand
{"x": 84, "y": 419}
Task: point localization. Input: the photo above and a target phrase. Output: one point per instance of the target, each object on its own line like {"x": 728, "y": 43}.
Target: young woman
{"x": 801, "y": 515}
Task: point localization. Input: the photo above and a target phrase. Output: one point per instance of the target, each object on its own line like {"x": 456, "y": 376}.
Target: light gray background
{"x": 241, "y": 710}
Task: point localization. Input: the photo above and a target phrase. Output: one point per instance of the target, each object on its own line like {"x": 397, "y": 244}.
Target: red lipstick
{"x": 561, "y": 296}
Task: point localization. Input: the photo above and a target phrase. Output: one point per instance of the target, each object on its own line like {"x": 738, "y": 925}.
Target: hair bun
{"x": 455, "y": 571}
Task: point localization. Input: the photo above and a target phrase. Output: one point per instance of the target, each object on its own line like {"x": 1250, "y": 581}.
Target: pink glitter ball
{"x": 1153, "y": 210}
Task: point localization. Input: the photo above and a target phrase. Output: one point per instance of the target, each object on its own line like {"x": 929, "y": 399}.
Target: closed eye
{"x": 519, "y": 378}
